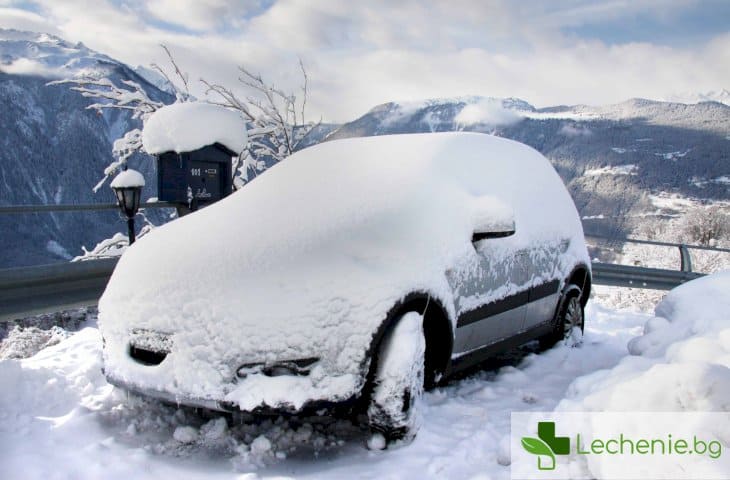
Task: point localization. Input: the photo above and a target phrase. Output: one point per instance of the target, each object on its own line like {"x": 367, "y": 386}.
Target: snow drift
{"x": 681, "y": 363}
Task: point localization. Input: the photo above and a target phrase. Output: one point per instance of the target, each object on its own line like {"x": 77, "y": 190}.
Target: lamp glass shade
{"x": 128, "y": 199}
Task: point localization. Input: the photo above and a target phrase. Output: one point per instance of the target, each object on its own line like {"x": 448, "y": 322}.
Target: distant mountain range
{"x": 613, "y": 158}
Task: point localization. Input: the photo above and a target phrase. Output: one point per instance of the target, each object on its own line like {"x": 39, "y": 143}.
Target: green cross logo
{"x": 546, "y": 445}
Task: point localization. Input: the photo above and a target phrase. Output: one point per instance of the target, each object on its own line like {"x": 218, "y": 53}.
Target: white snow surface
{"x": 188, "y": 126}
{"x": 60, "y": 419}
{"x": 307, "y": 260}
{"x": 628, "y": 169}
{"x": 31, "y": 53}
{"x": 127, "y": 179}
{"x": 681, "y": 363}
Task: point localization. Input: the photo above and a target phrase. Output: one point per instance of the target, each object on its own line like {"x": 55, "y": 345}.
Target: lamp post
{"x": 127, "y": 187}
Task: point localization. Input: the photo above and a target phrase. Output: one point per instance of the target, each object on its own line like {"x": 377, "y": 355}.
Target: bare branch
{"x": 183, "y": 76}
{"x": 304, "y": 87}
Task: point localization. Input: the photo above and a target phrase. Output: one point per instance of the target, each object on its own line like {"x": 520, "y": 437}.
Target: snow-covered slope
{"x": 52, "y": 150}
{"x": 48, "y": 56}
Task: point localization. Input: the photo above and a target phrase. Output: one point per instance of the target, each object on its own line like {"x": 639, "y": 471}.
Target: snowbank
{"x": 680, "y": 363}
{"x": 188, "y": 126}
{"x": 127, "y": 179}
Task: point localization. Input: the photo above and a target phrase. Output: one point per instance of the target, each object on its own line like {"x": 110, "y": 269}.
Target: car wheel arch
{"x": 438, "y": 330}
{"x": 580, "y": 276}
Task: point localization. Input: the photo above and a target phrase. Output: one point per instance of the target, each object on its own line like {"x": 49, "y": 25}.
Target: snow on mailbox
{"x": 194, "y": 143}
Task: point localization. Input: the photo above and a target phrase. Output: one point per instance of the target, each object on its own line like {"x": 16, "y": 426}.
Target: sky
{"x": 359, "y": 54}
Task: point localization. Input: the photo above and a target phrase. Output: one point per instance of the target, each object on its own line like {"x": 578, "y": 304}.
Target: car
{"x": 352, "y": 275}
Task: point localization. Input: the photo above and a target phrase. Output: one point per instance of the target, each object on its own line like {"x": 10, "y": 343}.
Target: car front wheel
{"x": 394, "y": 408}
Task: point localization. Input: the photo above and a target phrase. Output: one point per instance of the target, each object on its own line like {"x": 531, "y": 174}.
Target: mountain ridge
{"x": 613, "y": 158}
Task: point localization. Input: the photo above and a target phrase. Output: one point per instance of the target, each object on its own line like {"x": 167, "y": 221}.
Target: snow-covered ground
{"x": 60, "y": 419}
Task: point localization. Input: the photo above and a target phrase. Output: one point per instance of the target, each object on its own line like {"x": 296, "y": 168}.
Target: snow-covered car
{"x": 352, "y": 274}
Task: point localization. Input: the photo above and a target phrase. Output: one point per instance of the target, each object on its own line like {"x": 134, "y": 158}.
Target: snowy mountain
{"x": 53, "y": 150}
{"x": 41, "y": 54}
{"x": 613, "y": 158}
{"x": 154, "y": 78}
{"x": 720, "y": 96}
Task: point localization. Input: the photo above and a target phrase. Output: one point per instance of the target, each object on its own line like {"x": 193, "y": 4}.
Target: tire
{"x": 394, "y": 407}
{"x": 570, "y": 322}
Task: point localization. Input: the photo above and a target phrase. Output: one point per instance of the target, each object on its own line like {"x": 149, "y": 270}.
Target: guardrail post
{"x": 686, "y": 259}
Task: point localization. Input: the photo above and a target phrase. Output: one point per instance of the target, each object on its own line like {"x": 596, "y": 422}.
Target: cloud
{"x": 24, "y": 20}
{"x": 488, "y": 112}
{"x": 200, "y": 15}
{"x": 570, "y": 130}
{"x": 360, "y": 54}
{"x": 24, "y": 66}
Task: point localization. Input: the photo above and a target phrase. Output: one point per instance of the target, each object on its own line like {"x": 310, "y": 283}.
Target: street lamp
{"x": 127, "y": 187}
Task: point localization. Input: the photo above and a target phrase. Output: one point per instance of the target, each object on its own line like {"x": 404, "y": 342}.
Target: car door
{"x": 544, "y": 293}
{"x": 491, "y": 293}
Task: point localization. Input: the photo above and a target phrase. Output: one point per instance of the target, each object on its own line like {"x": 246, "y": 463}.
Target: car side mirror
{"x": 492, "y": 219}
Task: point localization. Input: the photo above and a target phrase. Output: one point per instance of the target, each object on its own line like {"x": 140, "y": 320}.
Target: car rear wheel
{"x": 569, "y": 323}
{"x": 394, "y": 408}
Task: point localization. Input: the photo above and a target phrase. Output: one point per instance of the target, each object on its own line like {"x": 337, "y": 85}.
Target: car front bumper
{"x": 313, "y": 407}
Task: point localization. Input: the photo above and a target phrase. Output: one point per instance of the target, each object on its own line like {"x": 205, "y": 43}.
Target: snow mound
{"x": 26, "y": 342}
{"x": 128, "y": 179}
{"x": 188, "y": 126}
{"x": 680, "y": 363}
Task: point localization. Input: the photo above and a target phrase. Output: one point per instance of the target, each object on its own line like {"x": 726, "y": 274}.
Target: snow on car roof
{"x": 188, "y": 126}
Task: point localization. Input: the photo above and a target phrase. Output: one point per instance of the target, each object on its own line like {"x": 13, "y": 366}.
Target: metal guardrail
{"x": 40, "y": 289}
{"x": 684, "y": 256}
{"x": 5, "y": 209}
{"x": 640, "y": 277}
{"x": 27, "y": 291}
{"x": 30, "y": 291}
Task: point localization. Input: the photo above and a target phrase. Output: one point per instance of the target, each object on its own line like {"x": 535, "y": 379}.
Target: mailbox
{"x": 197, "y": 178}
